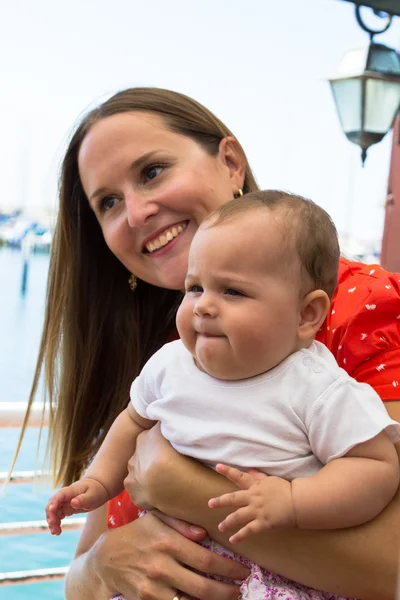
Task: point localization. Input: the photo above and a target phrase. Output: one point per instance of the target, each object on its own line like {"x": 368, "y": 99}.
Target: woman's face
{"x": 150, "y": 188}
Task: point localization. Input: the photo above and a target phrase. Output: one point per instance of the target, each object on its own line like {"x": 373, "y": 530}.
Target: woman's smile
{"x": 165, "y": 239}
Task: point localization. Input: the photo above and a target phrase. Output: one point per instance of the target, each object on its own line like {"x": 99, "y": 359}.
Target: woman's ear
{"x": 314, "y": 308}
{"x": 232, "y": 156}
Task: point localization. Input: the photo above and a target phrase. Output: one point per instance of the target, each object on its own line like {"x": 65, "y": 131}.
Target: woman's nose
{"x": 139, "y": 209}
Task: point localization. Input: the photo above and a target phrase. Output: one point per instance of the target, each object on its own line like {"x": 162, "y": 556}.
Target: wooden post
{"x": 26, "y": 248}
{"x": 390, "y": 255}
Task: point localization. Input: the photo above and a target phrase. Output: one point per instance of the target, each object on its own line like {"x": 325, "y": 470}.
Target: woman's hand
{"x": 152, "y": 457}
{"x": 152, "y": 558}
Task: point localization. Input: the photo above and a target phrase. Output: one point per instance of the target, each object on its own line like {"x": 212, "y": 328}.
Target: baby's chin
{"x": 225, "y": 372}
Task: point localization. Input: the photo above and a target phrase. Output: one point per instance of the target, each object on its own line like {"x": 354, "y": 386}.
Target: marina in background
{"x": 17, "y": 230}
{"x": 20, "y": 330}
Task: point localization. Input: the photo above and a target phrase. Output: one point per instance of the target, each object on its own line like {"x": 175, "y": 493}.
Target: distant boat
{"x": 14, "y": 230}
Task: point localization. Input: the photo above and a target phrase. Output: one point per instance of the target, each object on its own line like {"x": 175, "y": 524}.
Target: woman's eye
{"x": 152, "y": 172}
{"x": 108, "y": 202}
{"x": 232, "y": 292}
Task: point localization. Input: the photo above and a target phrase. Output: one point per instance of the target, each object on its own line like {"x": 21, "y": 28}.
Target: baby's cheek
{"x": 184, "y": 324}
{"x": 253, "y": 337}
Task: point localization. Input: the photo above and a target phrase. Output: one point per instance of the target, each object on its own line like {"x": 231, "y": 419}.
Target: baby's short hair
{"x": 315, "y": 236}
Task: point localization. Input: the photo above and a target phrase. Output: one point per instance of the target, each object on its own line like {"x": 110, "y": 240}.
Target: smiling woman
{"x": 144, "y": 182}
{"x": 138, "y": 168}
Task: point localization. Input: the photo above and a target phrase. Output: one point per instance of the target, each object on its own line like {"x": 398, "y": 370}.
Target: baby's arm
{"x": 351, "y": 490}
{"x": 105, "y": 476}
{"x": 109, "y": 466}
{"x": 346, "y": 492}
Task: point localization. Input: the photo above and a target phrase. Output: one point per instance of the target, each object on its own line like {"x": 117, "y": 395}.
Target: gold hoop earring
{"x": 239, "y": 193}
{"x": 132, "y": 282}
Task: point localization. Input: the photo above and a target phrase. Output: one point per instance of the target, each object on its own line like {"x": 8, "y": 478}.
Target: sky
{"x": 260, "y": 65}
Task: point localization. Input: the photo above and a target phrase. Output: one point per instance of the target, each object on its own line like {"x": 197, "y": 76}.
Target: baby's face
{"x": 241, "y": 311}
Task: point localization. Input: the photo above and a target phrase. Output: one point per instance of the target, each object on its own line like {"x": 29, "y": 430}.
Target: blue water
{"x": 20, "y": 328}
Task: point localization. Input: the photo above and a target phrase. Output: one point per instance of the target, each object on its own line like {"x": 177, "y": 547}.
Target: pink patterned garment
{"x": 263, "y": 585}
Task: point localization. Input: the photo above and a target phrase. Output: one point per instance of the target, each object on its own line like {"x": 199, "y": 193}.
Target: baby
{"x": 246, "y": 387}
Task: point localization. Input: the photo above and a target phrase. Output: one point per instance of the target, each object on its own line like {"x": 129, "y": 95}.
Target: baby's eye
{"x": 232, "y": 292}
{"x": 194, "y": 289}
{"x": 152, "y": 172}
{"x": 108, "y": 202}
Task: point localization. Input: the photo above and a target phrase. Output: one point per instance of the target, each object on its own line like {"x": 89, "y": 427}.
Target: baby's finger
{"x": 248, "y": 530}
{"x": 68, "y": 511}
{"x": 55, "y": 529}
{"x": 86, "y": 502}
{"x": 54, "y": 516}
{"x": 79, "y": 502}
{"x": 235, "y": 499}
{"x": 256, "y": 474}
{"x": 52, "y": 511}
{"x": 53, "y": 523}
{"x": 239, "y": 478}
{"x": 55, "y": 502}
{"x": 237, "y": 519}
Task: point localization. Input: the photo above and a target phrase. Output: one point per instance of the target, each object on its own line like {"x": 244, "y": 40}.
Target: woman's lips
{"x": 164, "y": 235}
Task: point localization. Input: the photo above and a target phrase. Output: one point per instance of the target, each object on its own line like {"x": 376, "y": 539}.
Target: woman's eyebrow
{"x": 137, "y": 163}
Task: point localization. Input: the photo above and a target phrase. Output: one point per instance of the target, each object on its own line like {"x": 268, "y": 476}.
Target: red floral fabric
{"x": 362, "y": 330}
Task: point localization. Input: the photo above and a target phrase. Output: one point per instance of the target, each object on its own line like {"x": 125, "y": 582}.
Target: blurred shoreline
{"x": 31, "y": 233}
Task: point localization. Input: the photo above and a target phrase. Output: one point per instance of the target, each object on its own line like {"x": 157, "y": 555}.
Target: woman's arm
{"x": 146, "y": 559}
{"x": 358, "y": 562}
{"x": 82, "y": 581}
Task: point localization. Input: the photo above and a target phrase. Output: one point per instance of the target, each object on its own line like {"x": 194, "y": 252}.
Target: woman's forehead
{"x": 123, "y": 127}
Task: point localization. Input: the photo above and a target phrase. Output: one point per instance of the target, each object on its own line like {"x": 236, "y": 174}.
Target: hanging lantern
{"x": 366, "y": 90}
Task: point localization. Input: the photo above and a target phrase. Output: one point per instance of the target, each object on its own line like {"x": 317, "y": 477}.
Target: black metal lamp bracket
{"x": 371, "y": 32}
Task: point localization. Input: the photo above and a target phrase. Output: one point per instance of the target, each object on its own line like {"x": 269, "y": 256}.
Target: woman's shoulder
{"x": 363, "y": 273}
{"x": 365, "y": 290}
{"x": 362, "y": 328}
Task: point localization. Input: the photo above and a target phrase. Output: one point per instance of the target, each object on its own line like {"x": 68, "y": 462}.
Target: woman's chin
{"x": 170, "y": 273}
{"x": 170, "y": 283}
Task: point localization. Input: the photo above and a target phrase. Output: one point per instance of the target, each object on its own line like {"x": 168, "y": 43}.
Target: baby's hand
{"x": 82, "y": 496}
{"x": 263, "y": 503}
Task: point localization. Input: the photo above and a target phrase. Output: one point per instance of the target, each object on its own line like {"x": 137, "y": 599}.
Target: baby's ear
{"x": 314, "y": 308}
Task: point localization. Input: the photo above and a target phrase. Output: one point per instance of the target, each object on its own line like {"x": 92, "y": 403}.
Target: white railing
{"x": 23, "y": 476}
{"x": 33, "y": 576}
{"x": 28, "y": 527}
{"x": 12, "y": 415}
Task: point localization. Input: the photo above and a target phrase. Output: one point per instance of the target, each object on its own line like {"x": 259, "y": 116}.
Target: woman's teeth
{"x": 165, "y": 238}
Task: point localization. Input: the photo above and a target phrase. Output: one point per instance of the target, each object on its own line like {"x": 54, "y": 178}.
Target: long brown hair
{"x": 97, "y": 334}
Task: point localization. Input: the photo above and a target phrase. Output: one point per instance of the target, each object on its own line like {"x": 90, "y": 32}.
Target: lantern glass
{"x": 348, "y": 98}
{"x": 383, "y": 60}
{"x": 382, "y": 100}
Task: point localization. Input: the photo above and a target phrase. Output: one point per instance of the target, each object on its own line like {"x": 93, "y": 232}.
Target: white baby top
{"x": 287, "y": 422}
